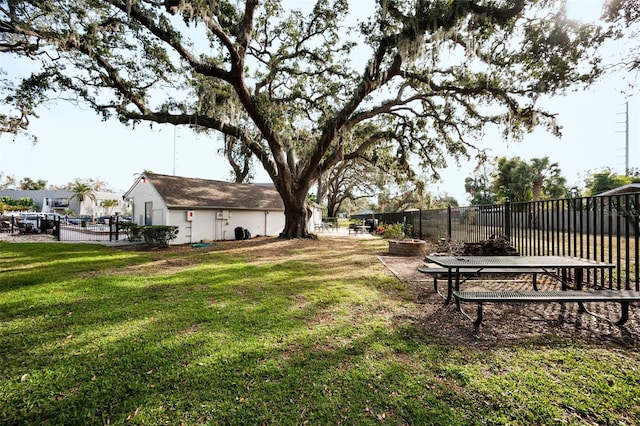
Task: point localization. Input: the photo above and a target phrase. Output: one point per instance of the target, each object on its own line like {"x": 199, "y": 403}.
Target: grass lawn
{"x": 271, "y": 332}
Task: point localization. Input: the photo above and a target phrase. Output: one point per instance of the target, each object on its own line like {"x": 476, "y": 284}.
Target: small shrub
{"x": 408, "y": 230}
{"x": 393, "y": 231}
{"x": 133, "y": 231}
{"x": 154, "y": 235}
{"x": 159, "y": 235}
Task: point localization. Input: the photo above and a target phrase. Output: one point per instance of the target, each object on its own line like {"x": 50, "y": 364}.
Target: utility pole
{"x": 626, "y": 137}
{"x": 175, "y": 137}
{"x": 626, "y": 140}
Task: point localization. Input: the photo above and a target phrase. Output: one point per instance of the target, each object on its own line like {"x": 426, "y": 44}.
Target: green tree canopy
{"x": 413, "y": 195}
{"x": 479, "y": 189}
{"x": 30, "y": 184}
{"x": 109, "y": 205}
{"x": 624, "y": 17}
{"x": 605, "y": 179}
{"x": 96, "y": 185}
{"x": 518, "y": 180}
{"x": 293, "y": 86}
{"x": 366, "y": 174}
{"x": 348, "y": 180}
{"x": 511, "y": 180}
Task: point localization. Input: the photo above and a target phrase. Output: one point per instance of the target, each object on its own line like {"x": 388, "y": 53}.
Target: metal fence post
{"x": 507, "y": 219}
{"x": 56, "y": 228}
{"x": 448, "y": 223}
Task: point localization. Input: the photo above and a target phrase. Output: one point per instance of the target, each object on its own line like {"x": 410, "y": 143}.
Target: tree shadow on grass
{"x": 220, "y": 351}
{"x": 297, "y": 332}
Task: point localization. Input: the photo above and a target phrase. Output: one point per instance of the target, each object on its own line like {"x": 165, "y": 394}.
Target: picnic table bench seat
{"x": 357, "y": 229}
{"x": 624, "y": 297}
{"x": 440, "y": 272}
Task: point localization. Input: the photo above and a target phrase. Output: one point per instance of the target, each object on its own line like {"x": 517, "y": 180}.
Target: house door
{"x": 148, "y": 212}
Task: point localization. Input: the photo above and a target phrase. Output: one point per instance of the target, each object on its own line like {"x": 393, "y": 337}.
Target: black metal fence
{"x": 69, "y": 228}
{"x": 603, "y": 228}
{"x": 88, "y": 229}
{"x": 30, "y": 224}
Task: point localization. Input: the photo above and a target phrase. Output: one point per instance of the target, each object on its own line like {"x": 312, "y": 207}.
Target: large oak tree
{"x": 293, "y": 86}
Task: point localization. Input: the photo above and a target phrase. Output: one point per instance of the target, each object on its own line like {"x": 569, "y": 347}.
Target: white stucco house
{"x": 205, "y": 210}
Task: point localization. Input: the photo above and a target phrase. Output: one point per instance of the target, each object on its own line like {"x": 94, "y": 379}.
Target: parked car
{"x": 80, "y": 220}
{"x": 53, "y": 216}
{"x": 30, "y": 218}
{"x": 29, "y": 222}
{"x": 103, "y": 220}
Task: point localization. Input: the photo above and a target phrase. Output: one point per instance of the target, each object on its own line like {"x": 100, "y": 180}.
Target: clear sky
{"x": 75, "y": 143}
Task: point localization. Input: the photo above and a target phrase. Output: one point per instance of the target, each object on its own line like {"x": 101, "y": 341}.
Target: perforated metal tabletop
{"x": 457, "y": 264}
{"x": 517, "y": 262}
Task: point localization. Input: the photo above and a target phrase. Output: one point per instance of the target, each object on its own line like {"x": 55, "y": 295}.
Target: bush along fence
{"x": 154, "y": 235}
{"x": 604, "y": 228}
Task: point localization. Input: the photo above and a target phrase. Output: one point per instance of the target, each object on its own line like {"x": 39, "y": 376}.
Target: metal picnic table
{"x": 554, "y": 266}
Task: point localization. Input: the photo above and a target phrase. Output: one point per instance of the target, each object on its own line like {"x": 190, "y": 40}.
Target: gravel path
{"x": 26, "y": 238}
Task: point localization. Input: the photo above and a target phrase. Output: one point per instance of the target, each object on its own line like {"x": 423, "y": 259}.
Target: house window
{"x": 60, "y": 202}
{"x": 148, "y": 211}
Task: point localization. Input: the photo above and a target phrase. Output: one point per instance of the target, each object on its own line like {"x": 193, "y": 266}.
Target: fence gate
{"x": 69, "y": 229}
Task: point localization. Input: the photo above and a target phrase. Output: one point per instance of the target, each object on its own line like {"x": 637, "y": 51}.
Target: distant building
{"x": 363, "y": 213}
{"x": 62, "y": 200}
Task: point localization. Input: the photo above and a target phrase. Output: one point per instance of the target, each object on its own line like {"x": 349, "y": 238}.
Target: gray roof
{"x": 186, "y": 192}
{"x": 624, "y": 189}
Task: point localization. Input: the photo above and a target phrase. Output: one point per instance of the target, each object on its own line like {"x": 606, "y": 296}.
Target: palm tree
{"x": 547, "y": 178}
{"x": 81, "y": 191}
{"x": 109, "y": 205}
{"x": 518, "y": 180}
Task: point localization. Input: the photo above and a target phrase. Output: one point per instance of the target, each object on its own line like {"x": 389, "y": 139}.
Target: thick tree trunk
{"x": 297, "y": 214}
{"x": 332, "y": 210}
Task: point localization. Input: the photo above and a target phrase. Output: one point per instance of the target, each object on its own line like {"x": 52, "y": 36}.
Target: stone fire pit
{"x": 407, "y": 247}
